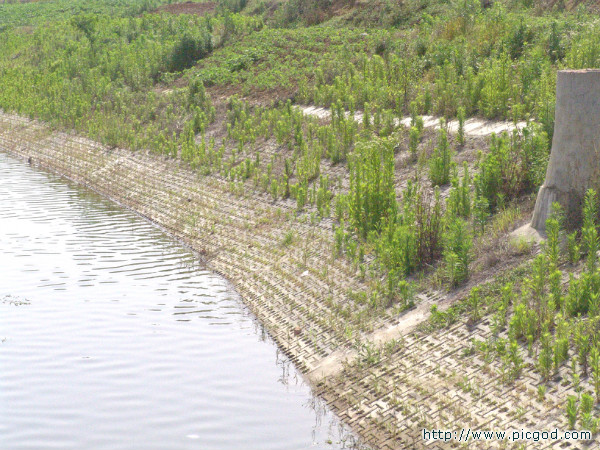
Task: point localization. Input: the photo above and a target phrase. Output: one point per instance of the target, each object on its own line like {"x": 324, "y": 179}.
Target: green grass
{"x": 37, "y": 12}
{"x": 278, "y": 60}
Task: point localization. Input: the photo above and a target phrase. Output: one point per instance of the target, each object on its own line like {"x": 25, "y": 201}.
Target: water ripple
{"x": 112, "y": 336}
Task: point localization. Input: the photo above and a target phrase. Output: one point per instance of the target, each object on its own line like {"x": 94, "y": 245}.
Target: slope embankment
{"x": 238, "y": 236}
{"x": 281, "y": 264}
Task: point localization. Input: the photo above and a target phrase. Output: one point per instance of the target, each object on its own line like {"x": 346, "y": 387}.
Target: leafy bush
{"x": 372, "y": 197}
{"x": 459, "y": 198}
{"x": 516, "y": 164}
{"x": 457, "y": 251}
{"x": 188, "y": 50}
{"x": 440, "y": 163}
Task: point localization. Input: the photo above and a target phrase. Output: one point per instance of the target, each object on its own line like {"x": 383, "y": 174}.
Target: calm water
{"x": 112, "y": 336}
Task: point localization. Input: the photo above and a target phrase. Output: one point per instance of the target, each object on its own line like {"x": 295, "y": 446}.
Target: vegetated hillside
{"x": 188, "y": 8}
{"x": 411, "y": 211}
{"x": 18, "y": 13}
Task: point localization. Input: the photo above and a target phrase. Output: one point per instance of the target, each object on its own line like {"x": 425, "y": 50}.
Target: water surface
{"x": 113, "y": 336}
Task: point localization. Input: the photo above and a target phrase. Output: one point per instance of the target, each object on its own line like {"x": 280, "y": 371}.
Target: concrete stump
{"x": 574, "y": 165}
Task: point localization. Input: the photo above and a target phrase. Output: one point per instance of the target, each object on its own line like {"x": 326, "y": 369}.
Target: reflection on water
{"x": 112, "y": 336}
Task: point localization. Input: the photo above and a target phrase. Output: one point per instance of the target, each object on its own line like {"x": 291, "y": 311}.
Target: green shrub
{"x": 573, "y": 248}
{"x": 572, "y": 411}
{"x": 190, "y": 49}
{"x": 474, "y": 304}
{"x": 414, "y": 138}
{"x": 460, "y": 135}
{"x": 372, "y": 197}
{"x": 512, "y": 362}
{"x": 413, "y": 237}
{"x": 587, "y": 404}
{"x": 553, "y": 231}
{"x": 595, "y": 367}
{"x": 441, "y": 161}
{"x": 545, "y": 357}
{"x": 481, "y": 213}
{"x": 516, "y": 164}
{"x": 457, "y": 251}
{"x": 459, "y": 198}
{"x": 589, "y": 230}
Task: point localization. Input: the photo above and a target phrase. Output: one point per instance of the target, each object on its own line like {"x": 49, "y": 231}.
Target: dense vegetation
{"x": 216, "y": 90}
{"x": 16, "y": 13}
{"x": 142, "y": 81}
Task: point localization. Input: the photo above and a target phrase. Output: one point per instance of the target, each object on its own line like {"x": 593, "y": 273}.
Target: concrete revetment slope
{"x": 432, "y": 380}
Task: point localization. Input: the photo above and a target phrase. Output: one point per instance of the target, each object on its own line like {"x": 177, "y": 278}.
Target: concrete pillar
{"x": 574, "y": 164}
